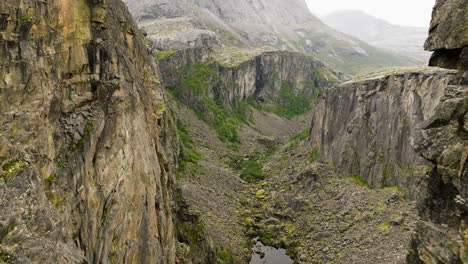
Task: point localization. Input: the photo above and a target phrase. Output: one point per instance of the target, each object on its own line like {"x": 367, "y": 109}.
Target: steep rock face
{"x": 262, "y": 77}
{"x": 442, "y": 234}
{"x": 366, "y": 127}
{"x": 85, "y": 150}
{"x": 448, "y": 35}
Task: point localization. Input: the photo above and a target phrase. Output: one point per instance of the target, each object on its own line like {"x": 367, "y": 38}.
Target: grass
{"x": 189, "y": 154}
{"x": 357, "y": 179}
{"x": 224, "y": 256}
{"x": 301, "y": 136}
{"x": 223, "y": 121}
{"x": 161, "y": 55}
{"x": 250, "y": 168}
{"x": 313, "y": 154}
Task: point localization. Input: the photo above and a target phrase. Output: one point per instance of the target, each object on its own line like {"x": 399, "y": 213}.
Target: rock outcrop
{"x": 263, "y": 77}
{"x": 366, "y": 128}
{"x": 410, "y": 129}
{"x": 85, "y": 149}
{"x": 448, "y": 35}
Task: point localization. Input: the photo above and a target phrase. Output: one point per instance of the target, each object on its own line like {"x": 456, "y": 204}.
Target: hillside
{"x": 403, "y": 40}
{"x": 265, "y": 25}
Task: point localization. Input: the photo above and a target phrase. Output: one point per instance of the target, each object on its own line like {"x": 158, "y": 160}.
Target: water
{"x": 272, "y": 255}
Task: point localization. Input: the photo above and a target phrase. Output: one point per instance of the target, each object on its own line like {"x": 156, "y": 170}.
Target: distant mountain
{"x": 266, "y": 24}
{"x": 403, "y": 40}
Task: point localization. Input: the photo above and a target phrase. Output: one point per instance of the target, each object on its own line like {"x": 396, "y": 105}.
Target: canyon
{"x": 209, "y": 131}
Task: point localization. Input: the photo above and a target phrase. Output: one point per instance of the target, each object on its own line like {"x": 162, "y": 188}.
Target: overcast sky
{"x": 400, "y": 12}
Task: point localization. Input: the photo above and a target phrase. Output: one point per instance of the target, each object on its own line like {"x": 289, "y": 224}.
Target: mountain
{"x": 259, "y": 24}
{"x": 403, "y": 40}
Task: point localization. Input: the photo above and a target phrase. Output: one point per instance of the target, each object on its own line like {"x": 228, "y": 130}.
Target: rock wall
{"x": 86, "y": 150}
{"x": 366, "y": 128}
{"x": 261, "y": 77}
{"x": 442, "y": 234}
{"x": 448, "y": 35}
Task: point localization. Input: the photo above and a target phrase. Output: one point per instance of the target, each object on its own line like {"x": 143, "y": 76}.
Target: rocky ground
{"x": 301, "y": 205}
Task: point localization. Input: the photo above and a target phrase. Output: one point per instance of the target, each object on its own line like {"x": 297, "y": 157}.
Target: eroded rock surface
{"x": 448, "y": 35}
{"x": 366, "y": 128}
{"x": 85, "y": 151}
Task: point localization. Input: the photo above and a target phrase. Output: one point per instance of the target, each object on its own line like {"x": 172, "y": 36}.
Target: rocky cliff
{"x": 408, "y": 128}
{"x": 195, "y": 74}
{"x": 86, "y": 150}
{"x": 448, "y": 35}
{"x": 366, "y": 128}
{"x": 273, "y": 25}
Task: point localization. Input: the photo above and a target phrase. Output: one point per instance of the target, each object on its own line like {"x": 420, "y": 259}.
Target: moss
{"x": 51, "y": 178}
{"x": 197, "y": 78}
{"x": 313, "y": 154}
{"x": 301, "y": 136}
{"x": 224, "y": 256}
{"x": 190, "y": 232}
{"x": 11, "y": 167}
{"x": 88, "y": 129}
{"x": 222, "y": 120}
{"x": 5, "y": 257}
{"x": 25, "y": 18}
{"x": 161, "y": 55}
{"x": 189, "y": 154}
{"x": 290, "y": 103}
{"x": 250, "y": 168}
{"x": 357, "y": 179}
{"x": 54, "y": 198}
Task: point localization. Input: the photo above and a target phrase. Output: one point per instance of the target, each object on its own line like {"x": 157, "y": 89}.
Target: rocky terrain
{"x": 216, "y": 133}
{"x": 264, "y": 25}
{"x": 405, "y": 40}
{"x": 86, "y": 156}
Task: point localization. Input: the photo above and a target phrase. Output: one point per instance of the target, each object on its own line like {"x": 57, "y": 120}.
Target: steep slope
{"x": 271, "y": 25}
{"x": 403, "y": 40}
{"x": 408, "y": 128}
{"x": 86, "y": 157}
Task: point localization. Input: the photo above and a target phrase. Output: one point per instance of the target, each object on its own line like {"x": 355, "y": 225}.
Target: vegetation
{"x": 160, "y": 55}
{"x": 357, "y": 179}
{"x": 189, "y": 154}
{"x": 250, "y": 167}
{"x": 313, "y": 154}
{"x": 197, "y": 78}
{"x": 224, "y": 256}
{"x": 190, "y": 233}
{"x": 301, "y": 136}
{"x": 11, "y": 167}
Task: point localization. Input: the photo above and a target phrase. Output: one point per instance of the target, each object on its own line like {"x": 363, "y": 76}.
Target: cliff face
{"x": 85, "y": 148}
{"x": 448, "y": 35}
{"x": 366, "y": 128}
{"x": 410, "y": 129}
{"x": 263, "y": 77}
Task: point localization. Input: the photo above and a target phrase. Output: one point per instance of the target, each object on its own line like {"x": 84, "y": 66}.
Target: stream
{"x": 269, "y": 255}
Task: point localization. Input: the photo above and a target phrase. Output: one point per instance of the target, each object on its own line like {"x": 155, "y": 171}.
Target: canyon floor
{"x": 299, "y": 202}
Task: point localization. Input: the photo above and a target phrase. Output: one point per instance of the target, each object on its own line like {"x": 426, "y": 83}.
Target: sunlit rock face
{"x": 448, "y": 35}
{"x": 85, "y": 164}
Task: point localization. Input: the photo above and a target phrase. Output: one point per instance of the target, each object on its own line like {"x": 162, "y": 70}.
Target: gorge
{"x": 211, "y": 131}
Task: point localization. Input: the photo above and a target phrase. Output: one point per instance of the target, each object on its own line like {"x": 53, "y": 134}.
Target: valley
{"x": 222, "y": 132}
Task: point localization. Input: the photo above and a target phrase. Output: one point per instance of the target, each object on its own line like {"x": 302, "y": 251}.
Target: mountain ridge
{"x": 404, "y": 40}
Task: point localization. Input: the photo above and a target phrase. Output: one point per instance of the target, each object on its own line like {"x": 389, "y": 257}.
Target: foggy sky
{"x": 399, "y": 12}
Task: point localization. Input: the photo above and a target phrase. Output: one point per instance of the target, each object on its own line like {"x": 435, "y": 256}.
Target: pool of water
{"x": 269, "y": 255}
